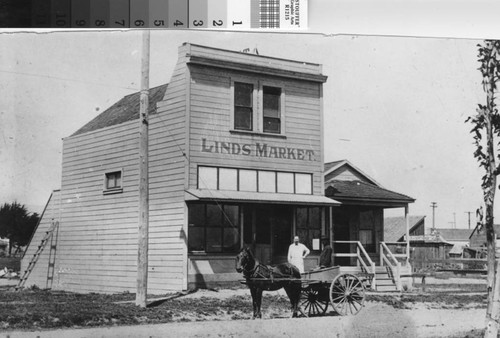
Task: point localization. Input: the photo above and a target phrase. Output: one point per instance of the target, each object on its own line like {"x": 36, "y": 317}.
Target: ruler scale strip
{"x": 173, "y": 14}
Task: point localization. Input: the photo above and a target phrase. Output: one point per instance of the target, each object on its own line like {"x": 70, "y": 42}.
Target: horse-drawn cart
{"x": 310, "y": 293}
{"x": 345, "y": 292}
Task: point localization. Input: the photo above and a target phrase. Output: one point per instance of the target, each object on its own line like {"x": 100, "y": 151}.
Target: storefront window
{"x": 207, "y": 178}
{"x": 252, "y": 180}
{"x": 267, "y": 181}
{"x": 248, "y": 180}
{"x": 213, "y": 228}
{"x": 308, "y": 224}
{"x": 303, "y": 183}
{"x": 229, "y": 179}
{"x": 285, "y": 183}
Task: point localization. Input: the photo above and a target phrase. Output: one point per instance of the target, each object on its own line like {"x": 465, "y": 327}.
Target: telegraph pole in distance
{"x": 468, "y": 213}
{"x": 433, "y": 206}
{"x": 143, "y": 238}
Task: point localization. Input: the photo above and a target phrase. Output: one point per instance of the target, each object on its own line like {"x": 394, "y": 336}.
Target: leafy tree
{"x": 17, "y": 224}
{"x": 486, "y": 134}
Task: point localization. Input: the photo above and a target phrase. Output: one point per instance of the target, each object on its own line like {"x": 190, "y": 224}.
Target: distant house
{"x": 458, "y": 237}
{"x": 477, "y": 239}
{"x": 395, "y": 228}
{"x": 423, "y": 246}
{"x": 455, "y": 236}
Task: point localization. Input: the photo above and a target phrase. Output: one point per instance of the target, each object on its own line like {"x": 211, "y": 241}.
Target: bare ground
{"x": 450, "y": 310}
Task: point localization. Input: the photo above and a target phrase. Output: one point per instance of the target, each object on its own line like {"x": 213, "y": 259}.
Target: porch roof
{"x": 362, "y": 193}
{"x": 243, "y": 196}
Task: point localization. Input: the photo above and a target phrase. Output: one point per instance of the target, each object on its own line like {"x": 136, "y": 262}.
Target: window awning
{"x": 258, "y": 197}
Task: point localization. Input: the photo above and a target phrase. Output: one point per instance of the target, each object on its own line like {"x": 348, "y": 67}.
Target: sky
{"x": 393, "y": 106}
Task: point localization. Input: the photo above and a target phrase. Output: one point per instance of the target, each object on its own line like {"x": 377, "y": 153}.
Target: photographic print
{"x": 182, "y": 183}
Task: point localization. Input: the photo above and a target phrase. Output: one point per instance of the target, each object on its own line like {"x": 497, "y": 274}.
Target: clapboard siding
{"x": 167, "y": 175}
{"x": 101, "y": 227}
{"x": 51, "y": 214}
{"x": 86, "y": 157}
{"x": 210, "y": 118}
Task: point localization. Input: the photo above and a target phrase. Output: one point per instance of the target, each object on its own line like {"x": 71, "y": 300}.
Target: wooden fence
{"x": 467, "y": 265}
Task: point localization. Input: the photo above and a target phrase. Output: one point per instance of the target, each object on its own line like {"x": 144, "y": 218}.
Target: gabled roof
{"x": 362, "y": 192}
{"x": 428, "y": 239}
{"x": 126, "y": 109}
{"x": 454, "y": 234}
{"x": 330, "y": 167}
{"x": 395, "y": 227}
{"x": 482, "y": 232}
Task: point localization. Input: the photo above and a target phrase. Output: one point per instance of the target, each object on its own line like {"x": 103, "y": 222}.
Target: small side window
{"x": 113, "y": 182}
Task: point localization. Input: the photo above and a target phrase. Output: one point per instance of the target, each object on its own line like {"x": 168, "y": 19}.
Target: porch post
{"x": 407, "y": 221}
{"x": 330, "y": 225}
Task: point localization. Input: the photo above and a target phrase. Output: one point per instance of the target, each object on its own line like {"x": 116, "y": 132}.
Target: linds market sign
{"x": 256, "y": 150}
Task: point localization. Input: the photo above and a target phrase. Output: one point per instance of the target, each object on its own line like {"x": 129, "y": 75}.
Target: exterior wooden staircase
{"x": 385, "y": 280}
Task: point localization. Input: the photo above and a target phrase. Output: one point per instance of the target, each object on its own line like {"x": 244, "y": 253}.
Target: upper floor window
{"x": 271, "y": 109}
{"x": 243, "y": 106}
{"x": 258, "y": 107}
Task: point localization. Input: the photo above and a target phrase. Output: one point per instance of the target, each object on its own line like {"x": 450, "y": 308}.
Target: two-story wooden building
{"x": 235, "y": 157}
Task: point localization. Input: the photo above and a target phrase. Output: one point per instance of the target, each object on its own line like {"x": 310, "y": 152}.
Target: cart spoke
{"x": 338, "y": 297}
{"x": 350, "y": 308}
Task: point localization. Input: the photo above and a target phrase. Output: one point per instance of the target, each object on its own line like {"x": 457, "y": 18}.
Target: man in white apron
{"x": 296, "y": 254}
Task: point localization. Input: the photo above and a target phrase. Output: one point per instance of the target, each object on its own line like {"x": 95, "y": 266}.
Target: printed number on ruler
{"x": 61, "y": 20}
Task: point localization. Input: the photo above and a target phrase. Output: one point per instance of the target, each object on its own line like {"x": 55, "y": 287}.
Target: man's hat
{"x": 296, "y": 238}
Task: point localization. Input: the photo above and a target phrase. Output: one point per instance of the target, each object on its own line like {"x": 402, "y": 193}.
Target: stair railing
{"x": 388, "y": 259}
{"x": 362, "y": 259}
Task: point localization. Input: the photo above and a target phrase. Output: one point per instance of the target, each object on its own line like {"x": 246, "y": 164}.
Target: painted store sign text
{"x": 256, "y": 150}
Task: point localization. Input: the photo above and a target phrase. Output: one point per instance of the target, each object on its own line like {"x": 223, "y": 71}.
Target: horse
{"x": 261, "y": 277}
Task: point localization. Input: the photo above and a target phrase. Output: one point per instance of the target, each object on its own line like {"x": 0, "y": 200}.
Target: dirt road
{"x": 375, "y": 320}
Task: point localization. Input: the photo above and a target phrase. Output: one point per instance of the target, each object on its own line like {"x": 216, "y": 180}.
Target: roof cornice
{"x": 246, "y": 67}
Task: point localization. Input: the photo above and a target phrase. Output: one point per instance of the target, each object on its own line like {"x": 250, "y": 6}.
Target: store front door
{"x": 273, "y": 233}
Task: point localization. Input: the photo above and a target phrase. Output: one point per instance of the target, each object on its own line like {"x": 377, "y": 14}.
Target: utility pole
{"x": 468, "y": 213}
{"x": 454, "y": 220}
{"x": 433, "y": 206}
{"x": 143, "y": 238}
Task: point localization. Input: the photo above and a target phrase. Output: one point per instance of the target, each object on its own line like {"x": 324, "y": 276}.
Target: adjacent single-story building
{"x": 360, "y": 217}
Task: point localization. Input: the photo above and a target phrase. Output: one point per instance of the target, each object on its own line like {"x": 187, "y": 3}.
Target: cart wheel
{"x": 313, "y": 301}
{"x": 347, "y": 294}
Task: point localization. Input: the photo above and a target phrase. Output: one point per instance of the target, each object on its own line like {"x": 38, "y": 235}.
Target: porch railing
{"x": 387, "y": 258}
{"x": 362, "y": 258}
{"x": 399, "y": 250}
